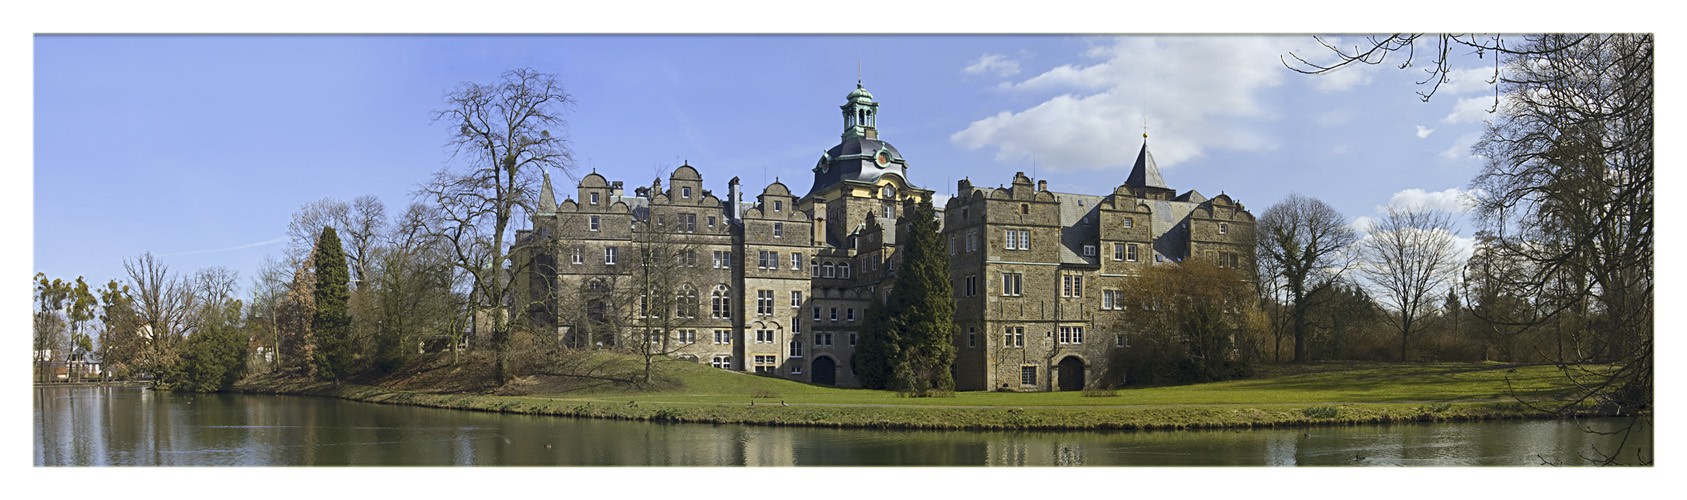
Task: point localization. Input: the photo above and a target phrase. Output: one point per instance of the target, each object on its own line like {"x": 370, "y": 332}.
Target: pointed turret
{"x": 547, "y": 198}
{"x": 1145, "y": 173}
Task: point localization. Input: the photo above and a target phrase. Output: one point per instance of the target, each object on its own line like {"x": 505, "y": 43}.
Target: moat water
{"x": 135, "y": 426}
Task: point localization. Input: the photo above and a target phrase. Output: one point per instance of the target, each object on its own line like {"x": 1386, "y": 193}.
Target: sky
{"x": 199, "y": 148}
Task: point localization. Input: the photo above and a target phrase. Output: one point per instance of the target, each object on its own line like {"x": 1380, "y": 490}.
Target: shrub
{"x": 1325, "y": 411}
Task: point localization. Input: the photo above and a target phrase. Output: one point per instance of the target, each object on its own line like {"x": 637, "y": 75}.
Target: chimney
{"x": 615, "y": 188}
{"x": 963, "y": 186}
{"x": 734, "y": 200}
{"x": 1042, "y": 185}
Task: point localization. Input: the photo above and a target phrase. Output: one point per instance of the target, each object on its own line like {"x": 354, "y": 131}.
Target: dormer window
{"x": 594, "y": 198}
{"x": 685, "y": 192}
{"x": 778, "y": 205}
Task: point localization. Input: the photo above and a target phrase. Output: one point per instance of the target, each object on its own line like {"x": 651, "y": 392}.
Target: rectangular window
{"x": 1012, "y": 284}
{"x": 761, "y": 259}
{"x": 1013, "y": 336}
{"x": 850, "y": 314}
{"x": 1119, "y": 341}
{"x": 594, "y": 222}
{"x": 778, "y": 230}
{"x": 1024, "y": 239}
{"x": 834, "y": 315}
{"x": 1106, "y": 300}
{"x": 1089, "y": 250}
{"x": 609, "y": 256}
{"x": 1027, "y": 375}
{"x": 594, "y": 198}
{"x": 689, "y": 222}
{"x": 817, "y": 314}
{"x": 764, "y": 364}
{"x": 972, "y": 336}
{"x": 1071, "y": 335}
{"x": 796, "y": 299}
{"x": 1010, "y": 239}
{"x": 972, "y": 241}
{"x": 764, "y": 336}
{"x": 1118, "y": 251}
{"x": 685, "y": 192}
{"x": 1071, "y": 286}
{"x": 1223, "y": 228}
{"x": 687, "y": 336}
{"x": 852, "y": 339}
{"x": 579, "y": 255}
{"x": 951, "y": 245}
{"x": 1129, "y": 221}
{"x": 796, "y": 351}
{"x": 796, "y": 261}
{"x": 777, "y": 206}
{"x": 764, "y": 302}
{"x": 1130, "y": 252}
{"x": 723, "y": 337}
{"x": 972, "y": 286}
{"x": 711, "y": 221}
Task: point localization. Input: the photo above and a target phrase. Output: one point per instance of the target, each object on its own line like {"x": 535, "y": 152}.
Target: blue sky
{"x": 199, "y": 148}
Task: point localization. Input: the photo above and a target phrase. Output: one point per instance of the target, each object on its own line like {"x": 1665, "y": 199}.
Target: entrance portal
{"x": 824, "y": 371}
{"x": 1071, "y": 374}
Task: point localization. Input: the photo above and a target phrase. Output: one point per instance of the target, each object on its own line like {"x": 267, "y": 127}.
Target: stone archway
{"x": 824, "y": 371}
{"x": 1071, "y": 374}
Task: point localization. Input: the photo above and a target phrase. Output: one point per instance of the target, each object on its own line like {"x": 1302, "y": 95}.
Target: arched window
{"x": 686, "y": 298}
{"x": 722, "y": 362}
{"x": 843, "y": 270}
{"x": 814, "y": 268}
{"x": 720, "y": 302}
{"x": 830, "y": 270}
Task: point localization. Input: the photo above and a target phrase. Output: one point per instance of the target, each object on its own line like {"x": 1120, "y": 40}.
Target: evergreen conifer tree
{"x": 331, "y": 323}
{"x": 921, "y": 307}
{"x": 876, "y": 347}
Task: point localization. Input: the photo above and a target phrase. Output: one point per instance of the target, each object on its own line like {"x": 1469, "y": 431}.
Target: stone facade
{"x": 780, "y": 286}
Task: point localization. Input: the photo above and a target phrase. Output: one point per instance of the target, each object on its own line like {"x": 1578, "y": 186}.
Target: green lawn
{"x": 1294, "y": 384}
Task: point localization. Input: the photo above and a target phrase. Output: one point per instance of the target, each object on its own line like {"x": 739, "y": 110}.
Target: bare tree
{"x": 307, "y": 223}
{"x": 364, "y": 226}
{"x": 505, "y": 134}
{"x": 1410, "y": 259}
{"x": 164, "y": 303}
{"x": 1307, "y": 243}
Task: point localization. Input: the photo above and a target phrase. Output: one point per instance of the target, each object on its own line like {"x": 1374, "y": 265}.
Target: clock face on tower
{"x": 883, "y": 159}
{"x": 890, "y": 192}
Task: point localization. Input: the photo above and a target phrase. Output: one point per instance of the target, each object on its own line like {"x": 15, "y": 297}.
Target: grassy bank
{"x": 1311, "y": 394}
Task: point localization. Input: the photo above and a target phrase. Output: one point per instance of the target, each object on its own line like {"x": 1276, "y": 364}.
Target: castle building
{"x": 780, "y": 286}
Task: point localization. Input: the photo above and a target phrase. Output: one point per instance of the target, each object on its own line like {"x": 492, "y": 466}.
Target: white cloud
{"x": 1452, "y": 200}
{"x": 1471, "y": 110}
{"x": 237, "y": 247}
{"x": 996, "y": 63}
{"x": 1466, "y": 81}
{"x": 1191, "y": 90}
{"x": 1424, "y": 132}
{"x": 1461, "y": 147}
{"x": 1346, "y": 77}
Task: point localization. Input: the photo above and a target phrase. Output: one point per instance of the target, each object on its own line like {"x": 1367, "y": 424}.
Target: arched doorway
{"x": 824, "y": 371}
{"x": 1071, "y": 374}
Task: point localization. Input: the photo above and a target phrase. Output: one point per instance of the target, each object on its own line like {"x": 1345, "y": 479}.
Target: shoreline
{"x": 923, "y": 417}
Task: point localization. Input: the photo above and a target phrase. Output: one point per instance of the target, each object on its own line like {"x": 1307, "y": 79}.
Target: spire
{"x": 1145, "y": 172}
{"x": 547, "y": 198}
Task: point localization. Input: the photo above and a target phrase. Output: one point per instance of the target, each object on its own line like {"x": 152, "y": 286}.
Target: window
{"x": 1010, "y": 239}
{"x": 1130, "y": 252}
{"x": 1119, "y": 341}
{"x": 796, "y": 299}
{"x": 1072, "y": 286}
{"x": 972, "y": 336}
{"x": 831, "y": 271}
{"x": 778, "y": 230}
{"x": 579, "y": 255}
{"x": 764, "y": 336}
{"x": 720, "y": 302}
{"x": 972, "y": 241}
{"x": 778, "y": 205}
{"x": 823, "y": 339}
{"x": 1025, "y": 208}
{"x": 1014, "y": 336}
{"x": 723, "y": 337}
{"x": 1110, "y": 300}
{"x": 843, "y": 270}
{"x": 722, "y": 362}
{"x": 1024, "y": 239}
{"x": 723, "y": 260}
{"x": 1089, "y": 250}
{"x": 661, "y": 220}
{"x": 1012, "y": 283}
{"x": 688, "y": 223}
{"x": 594, "y": 198}
{"x": 711, "y": 221}
{"x": 834, "y": 315}
{"x": 796, "y": 350}
{"x": 1129, "y": 221}
{"x": 814, "y": 269}
{"x": 796, "y": 369}
{"x": 817, "y": 314}
{"x": 951, "y": 245}
{"x": 1118, "y": 251}
{"x": 1027, "y": 375}
{"x": 764, "y": 364}
{"x": 685, "y": 192}
{"x": 972, "y": 286}
{"x": 653, "y": 336}
{"x": 852, "y": 339}
{"x": 762, "y": 260}
{"x": 796, "y": 261}
{"x": 1071, "y": 335}
{"x": 609, "y": 256}
{"x": 686, "y": 336}
{"x": 687, "y": 301}
{"x": 1223, "y": 228}
{"x": 851, "y": 314}
{"x": 796, "y": 324}
{"x": 764, "y": 302}
{"x": 890, "y": 212}
{"x": 594, "y": 223}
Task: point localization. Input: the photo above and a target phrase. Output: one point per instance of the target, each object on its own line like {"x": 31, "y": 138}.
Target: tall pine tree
{"x": 331, "y": 323}
{"x": 908, "y": 341}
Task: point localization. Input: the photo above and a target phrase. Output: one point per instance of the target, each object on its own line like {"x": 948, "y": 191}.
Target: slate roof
{"x": 1145, "y": 172}
{"x": 1074, "y": 233}
{"x": 852, "y": 160}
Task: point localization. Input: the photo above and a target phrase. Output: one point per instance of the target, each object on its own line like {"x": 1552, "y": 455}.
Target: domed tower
{"x": 858, "y": 178}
